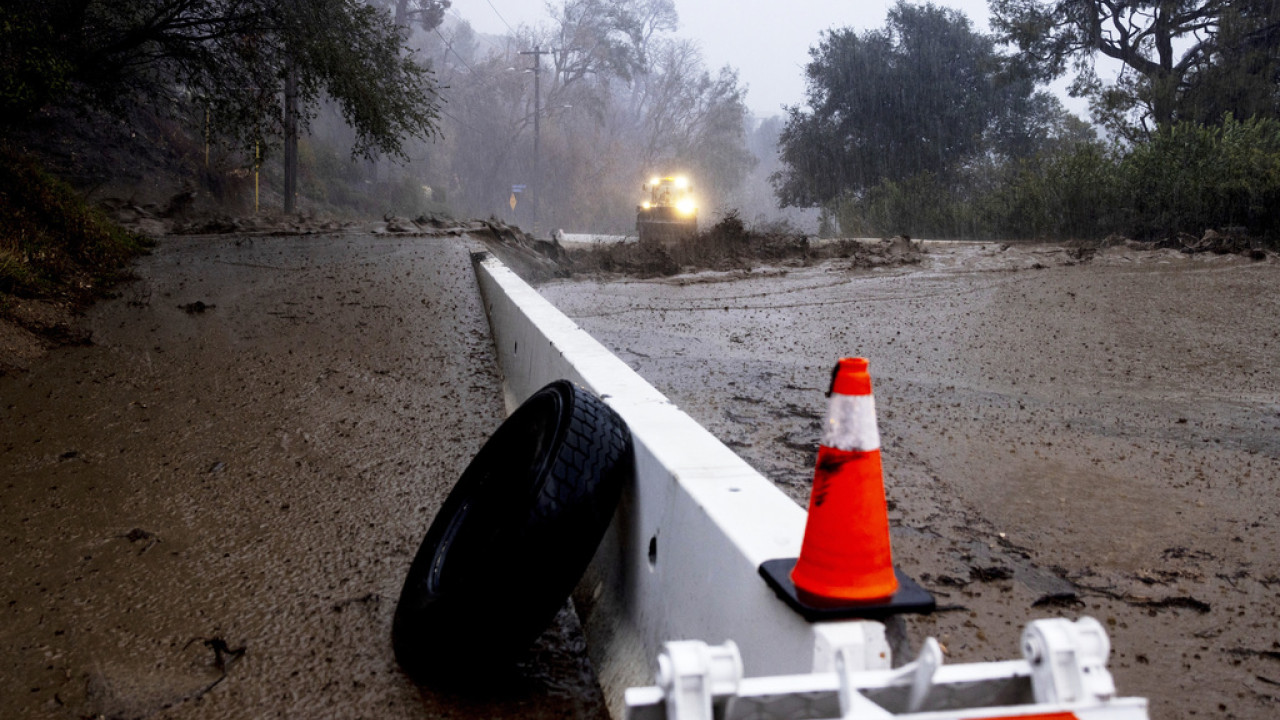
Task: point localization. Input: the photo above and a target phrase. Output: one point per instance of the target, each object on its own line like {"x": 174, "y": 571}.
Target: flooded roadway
{"x": 209, "y": 512}
{"x": 1060, "y": 438}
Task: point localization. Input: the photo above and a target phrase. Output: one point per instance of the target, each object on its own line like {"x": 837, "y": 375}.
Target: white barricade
{"x": 682, "y": 556}
{"x": 680, "y": 563}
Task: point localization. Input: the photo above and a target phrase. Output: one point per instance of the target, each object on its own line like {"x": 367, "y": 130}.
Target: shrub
{"x": 51, "y": 242}
{"x": 1186, "y": 179}
{"x": 1191, "y": 177}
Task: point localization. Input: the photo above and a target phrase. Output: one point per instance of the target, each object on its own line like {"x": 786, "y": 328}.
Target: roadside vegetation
{"x": 1187, "y": 179}
{"x": 167, "y": 101}
{"x": 184, "y": 99}
{"x": 929, "y": 128}
{"x": 52, "y": 245}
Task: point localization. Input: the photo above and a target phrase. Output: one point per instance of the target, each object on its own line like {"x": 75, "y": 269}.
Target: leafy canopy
{"x": 925, "y": 94}
{"x": 227, "y": 55}
{"x": 1186, "y": 59}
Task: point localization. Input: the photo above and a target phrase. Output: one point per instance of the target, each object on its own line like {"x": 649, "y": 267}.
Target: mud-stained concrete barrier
{"x": 680, "y": 560}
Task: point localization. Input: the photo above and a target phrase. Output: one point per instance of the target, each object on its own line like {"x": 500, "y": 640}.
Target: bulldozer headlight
{"x": 686, "y": 206}
{"x": 682, "y": 183}
{"x": 646, "y": 204}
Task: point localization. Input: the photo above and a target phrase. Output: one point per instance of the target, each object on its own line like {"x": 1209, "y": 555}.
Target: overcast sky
{"x": 767, "y": 41}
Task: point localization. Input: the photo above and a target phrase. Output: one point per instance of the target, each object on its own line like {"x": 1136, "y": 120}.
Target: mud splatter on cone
{"x": 845, "y": 555}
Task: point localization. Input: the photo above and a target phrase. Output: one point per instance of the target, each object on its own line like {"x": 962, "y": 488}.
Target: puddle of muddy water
{"x": 1060, "y": 437}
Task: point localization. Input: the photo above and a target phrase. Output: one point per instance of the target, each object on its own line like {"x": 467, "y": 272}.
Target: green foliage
{"x": 918, "y": 205}
{"x": 1191, "y": 177}
{"x": 229, "y": 56}
{"x": 1070, "y": 192}
{"x": 51, "y": 243}
{"x": 31, "y": 70}
{"x": 1187, "y": 60}
{"x": 1188, "y": 178}
{"x": 925, "y": 95}
{"x": 1244, "y": 76}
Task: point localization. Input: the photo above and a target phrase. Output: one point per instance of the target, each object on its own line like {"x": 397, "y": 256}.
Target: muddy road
{"x": 209, "y": 511}
{"x": 1060, "y": 437}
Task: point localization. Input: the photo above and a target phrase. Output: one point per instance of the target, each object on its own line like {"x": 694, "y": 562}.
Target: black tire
{"x": 514, "y": 536}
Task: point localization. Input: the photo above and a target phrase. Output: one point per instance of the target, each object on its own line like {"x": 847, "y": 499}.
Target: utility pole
{"x": 537, "y": 52}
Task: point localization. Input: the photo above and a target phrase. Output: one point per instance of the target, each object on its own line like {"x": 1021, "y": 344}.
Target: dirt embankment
{"x": 1061, "y": 436}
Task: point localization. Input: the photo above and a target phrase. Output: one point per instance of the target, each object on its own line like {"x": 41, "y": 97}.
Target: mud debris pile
{"x": 177, "y": 216}
{"x": 730, "y": 245}
{"x": 1228, "y": 241}
{"x": 890, "y": 252}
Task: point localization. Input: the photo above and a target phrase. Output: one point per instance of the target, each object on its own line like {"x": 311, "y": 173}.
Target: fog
{"x": 610, "y": 110}
{"x": 551, "y": 118}
{"x": 570, "y": 148}
{"x": 768, "y": 48}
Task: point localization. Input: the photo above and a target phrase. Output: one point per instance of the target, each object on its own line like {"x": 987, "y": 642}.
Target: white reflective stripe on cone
{"x": 851, "y": 423}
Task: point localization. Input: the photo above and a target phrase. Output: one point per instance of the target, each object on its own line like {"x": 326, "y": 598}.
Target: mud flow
{"x": 210, "y": 510}
{"x": 1062, "y": 436}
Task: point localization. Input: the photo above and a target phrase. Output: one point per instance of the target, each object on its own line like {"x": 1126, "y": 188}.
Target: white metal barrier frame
{"x": 1063, "y": 676}
{"x": 680, "y": 560}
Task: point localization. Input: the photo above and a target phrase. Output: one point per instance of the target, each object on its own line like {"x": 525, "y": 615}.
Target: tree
{"x": 426, "y": 14}
{"x": 621, "y": 99}
{"x": 229, "y": 56}
{"x": 1244, "y": 77}
{"x": 607, "y": 38}
{"x": 1176, "y": 49}
{"x": 32, "y": 71}
{"x": 690, "y": 120}
{"x": 923, "y": 95}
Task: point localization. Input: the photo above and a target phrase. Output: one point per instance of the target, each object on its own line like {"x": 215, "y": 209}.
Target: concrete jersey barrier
{"x": 680, "y": 560}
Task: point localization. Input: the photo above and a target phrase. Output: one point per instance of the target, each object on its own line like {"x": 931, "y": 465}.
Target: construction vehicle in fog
{"x": 669, "y": 214}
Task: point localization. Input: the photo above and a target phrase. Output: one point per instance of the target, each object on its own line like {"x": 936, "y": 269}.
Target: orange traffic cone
{"x": 845, "y": 555}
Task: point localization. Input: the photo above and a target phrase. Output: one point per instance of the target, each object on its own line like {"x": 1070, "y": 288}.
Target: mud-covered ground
{"x": 1060, "y": 437}
{"x": 209, "y": 511}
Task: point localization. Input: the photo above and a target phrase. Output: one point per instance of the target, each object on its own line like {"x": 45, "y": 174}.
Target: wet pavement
{"x": 1061, "y": 437}
{"x": 209, "y": 511}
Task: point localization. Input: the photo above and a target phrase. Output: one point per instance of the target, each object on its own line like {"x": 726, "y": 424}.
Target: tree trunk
{"x": 1164, "y": 85}
{"x": 290, "y": 137}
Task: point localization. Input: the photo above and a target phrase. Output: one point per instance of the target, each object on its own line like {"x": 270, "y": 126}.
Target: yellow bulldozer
{"x": 669, "y": 213}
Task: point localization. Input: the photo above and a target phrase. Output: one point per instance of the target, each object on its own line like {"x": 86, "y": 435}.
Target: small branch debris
{"x": 138, "y": 535}
{"x": 1059, "y": 600}
{"x": 196, "y": 308}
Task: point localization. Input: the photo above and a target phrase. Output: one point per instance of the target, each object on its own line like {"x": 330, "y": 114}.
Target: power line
{"x": 504, "y": 20}
{"x": 450, "y": 115}
{"x": 448, "y": 46}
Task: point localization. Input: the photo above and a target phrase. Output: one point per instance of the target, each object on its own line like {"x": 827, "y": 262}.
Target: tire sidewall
{"x": 533, "y": 549}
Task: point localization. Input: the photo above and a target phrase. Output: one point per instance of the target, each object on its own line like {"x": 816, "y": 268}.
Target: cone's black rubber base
{"x": 910, "y": 598}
